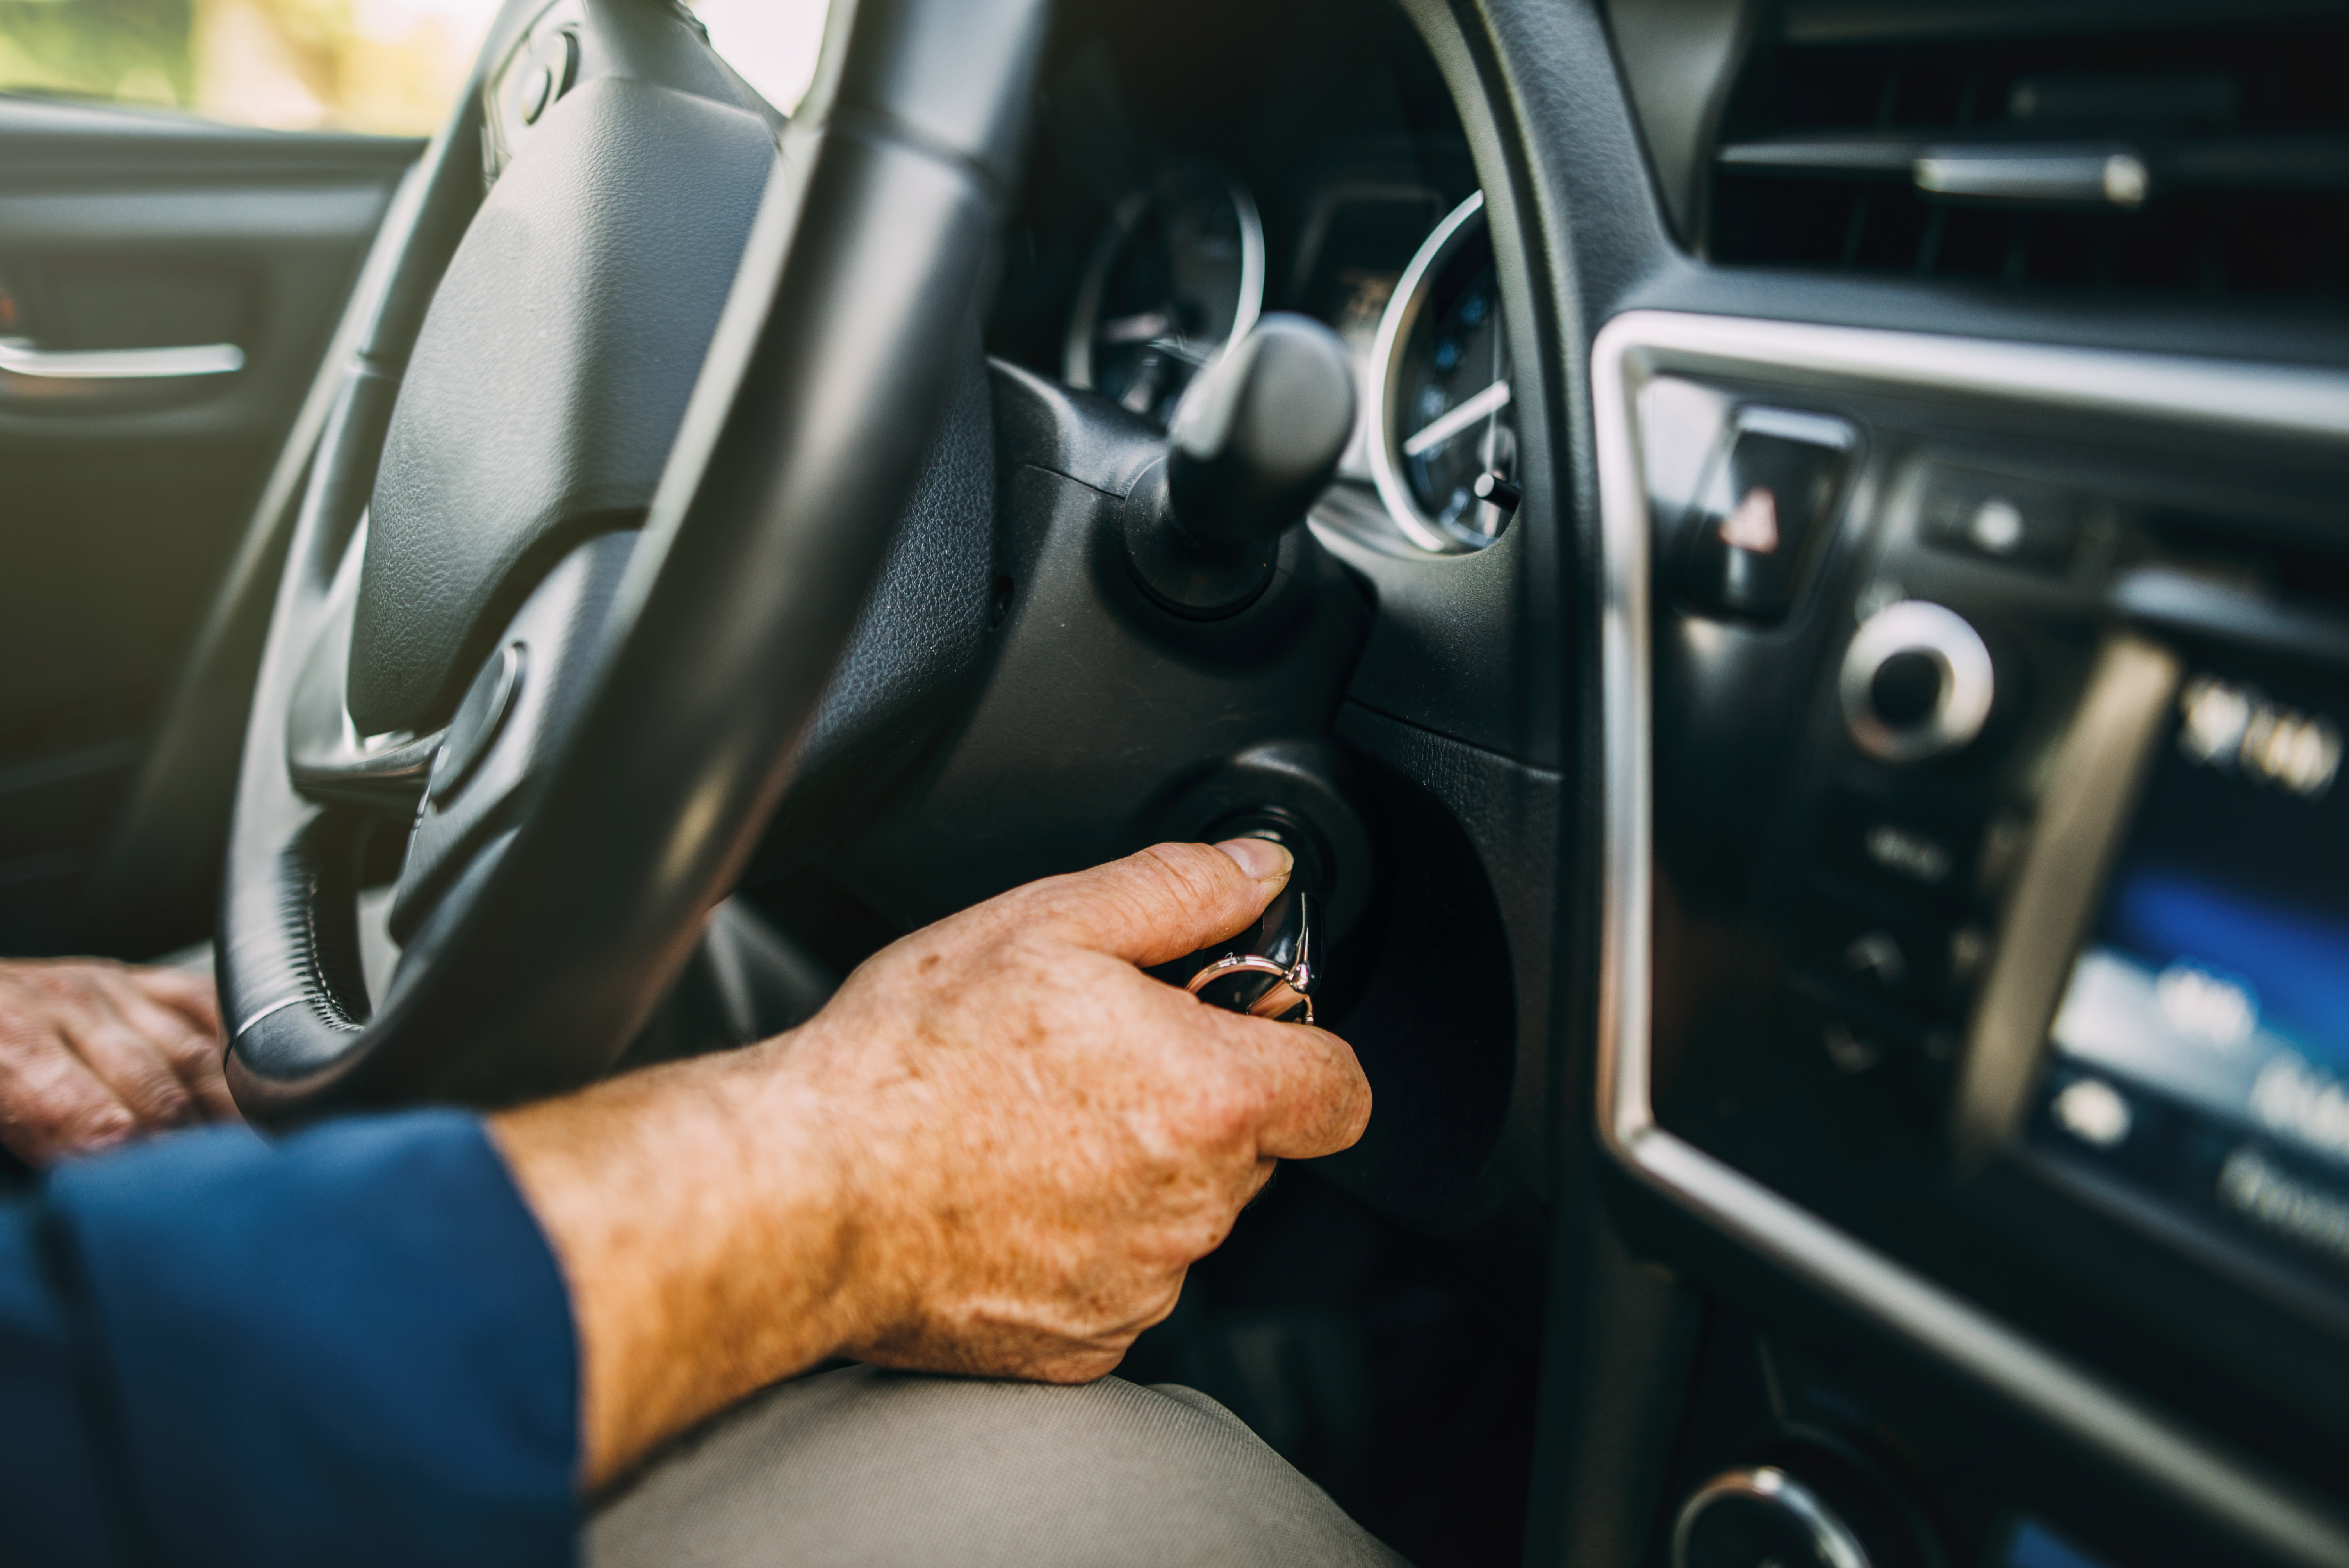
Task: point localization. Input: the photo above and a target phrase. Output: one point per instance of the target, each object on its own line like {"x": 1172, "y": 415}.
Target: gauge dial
{"x": 1177, "y": 274}
{"x": 1440, "y": 377}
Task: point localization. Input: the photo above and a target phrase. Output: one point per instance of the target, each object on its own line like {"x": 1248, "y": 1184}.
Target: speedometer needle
{"x": 1491, "y": 400}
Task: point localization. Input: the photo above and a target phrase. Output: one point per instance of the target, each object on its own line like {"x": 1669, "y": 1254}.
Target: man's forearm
{"x": 697, "y": 1216}
{"x": 995, "y": 1151}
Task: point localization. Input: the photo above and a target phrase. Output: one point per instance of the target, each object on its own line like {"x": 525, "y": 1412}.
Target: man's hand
{"x": 93, "y": 1053}
{"x": 996, "y": 1151}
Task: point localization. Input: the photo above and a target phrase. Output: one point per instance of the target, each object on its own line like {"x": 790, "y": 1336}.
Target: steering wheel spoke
{"x": 511, "y": 723}
{"x": 326, "y": 758}
{"x": 387, "y": 775}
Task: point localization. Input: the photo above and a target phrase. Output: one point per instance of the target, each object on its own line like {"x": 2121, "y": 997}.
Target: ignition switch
{"x": 1269, "y": 970}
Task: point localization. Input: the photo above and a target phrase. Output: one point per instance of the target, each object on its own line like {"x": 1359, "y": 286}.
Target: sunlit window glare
{"x": 771, "y": 43}
{"x": 388, "y": 66}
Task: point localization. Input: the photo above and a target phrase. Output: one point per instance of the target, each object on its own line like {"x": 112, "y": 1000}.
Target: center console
{"x": 1977, "y": 954}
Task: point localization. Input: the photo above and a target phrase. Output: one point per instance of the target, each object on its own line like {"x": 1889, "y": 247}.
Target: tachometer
{"x": 1177, "y": 274}
{"x": 1440, "y": 377}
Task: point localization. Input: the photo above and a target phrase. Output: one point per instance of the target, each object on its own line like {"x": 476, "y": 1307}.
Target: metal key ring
{"x": 1282, "y": 998}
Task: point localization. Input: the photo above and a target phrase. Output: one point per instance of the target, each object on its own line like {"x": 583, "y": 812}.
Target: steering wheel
{"x": 573, "y": 648}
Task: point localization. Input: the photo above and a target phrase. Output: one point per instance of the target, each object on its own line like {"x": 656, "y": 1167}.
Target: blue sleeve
{"x": 353, "y": 1346}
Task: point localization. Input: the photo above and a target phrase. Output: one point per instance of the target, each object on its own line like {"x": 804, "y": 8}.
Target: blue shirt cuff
{"x": 354, "y": 1345}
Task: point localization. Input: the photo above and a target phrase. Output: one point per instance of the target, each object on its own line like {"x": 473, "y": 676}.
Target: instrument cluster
{"x": 1403, "y": 270}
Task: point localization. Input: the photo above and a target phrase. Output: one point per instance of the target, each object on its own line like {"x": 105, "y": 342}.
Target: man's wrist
{"x": 701, "y": 1219}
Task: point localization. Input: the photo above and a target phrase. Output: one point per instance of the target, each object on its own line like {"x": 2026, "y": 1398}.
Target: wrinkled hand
{"x": 1038, "y": 1138}
{"x": 93, "y": 1053}
{"x": 996, "y": 1151}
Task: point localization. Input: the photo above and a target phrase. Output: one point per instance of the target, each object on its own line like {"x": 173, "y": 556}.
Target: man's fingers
{"x": 205, "y": 1072}
{"x": 192, "y": 1052}
{"x": 1153, "y": 907}
{"x": 51, "y": 1104}
{"x": 127, "y": 1042}
{"x": 188, "y": 994}
{"x": 1313, "y": 1099}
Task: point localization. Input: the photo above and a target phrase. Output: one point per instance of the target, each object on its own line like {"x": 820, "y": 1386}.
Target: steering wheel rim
{"x": 668, "y": 672}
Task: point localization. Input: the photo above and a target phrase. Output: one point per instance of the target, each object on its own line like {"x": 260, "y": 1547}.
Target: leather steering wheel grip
{"x": 690, "y": 653}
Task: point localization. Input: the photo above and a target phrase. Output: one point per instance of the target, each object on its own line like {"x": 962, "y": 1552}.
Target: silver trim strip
{"x": 2063, "y": 176}
{"x": 18, "y": 357}
{"x": 1084, "y": 315}
{"x": 1382, "y": 375}
{"x": 1831, "y": 1540}
{"x": 277, "y": 1007}
{"x": 2099, "y": 1414}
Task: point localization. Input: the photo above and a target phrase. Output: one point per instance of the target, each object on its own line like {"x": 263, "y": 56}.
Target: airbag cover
{"x": 551, "y": 376}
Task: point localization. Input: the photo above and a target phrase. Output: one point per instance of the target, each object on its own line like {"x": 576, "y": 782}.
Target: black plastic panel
{"x": 1781, "y": 1044}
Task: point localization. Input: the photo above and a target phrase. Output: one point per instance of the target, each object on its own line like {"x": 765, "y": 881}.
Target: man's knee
{"x": 878, "y": 1467}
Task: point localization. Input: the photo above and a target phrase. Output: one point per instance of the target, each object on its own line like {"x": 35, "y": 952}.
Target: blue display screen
{"x": 2202, "y": 1046}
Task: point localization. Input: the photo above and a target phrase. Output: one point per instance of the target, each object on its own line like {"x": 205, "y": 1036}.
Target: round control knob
{"x": 1916, "y": 683}
{"x": 1758, "y": 1515}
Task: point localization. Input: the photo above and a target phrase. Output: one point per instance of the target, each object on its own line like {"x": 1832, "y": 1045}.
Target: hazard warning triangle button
{"x": 1755, "y": 524}
{"x": 1773, "y": 494}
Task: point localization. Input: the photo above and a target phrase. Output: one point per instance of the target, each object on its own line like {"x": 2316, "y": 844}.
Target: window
{"x": 771, "y": 43}
{"x": 383, "y": 66}
{"x": 388, "y": 66}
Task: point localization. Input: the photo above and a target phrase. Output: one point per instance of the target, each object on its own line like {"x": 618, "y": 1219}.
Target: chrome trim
{"x": 1084, "y": 315}
{"x": 19, "y": 357}
{"x": 2099, "y": 771}
{"x": 2065, "y": 176}
{"x": 2101, "y": 1417}
{"x": 29, "y": 372}
{"x": 1383, "y": 375}
{"x": 1913, "y": 626}
{"x": 1831, "y": 1538}
{"x": 275, "y": 1007}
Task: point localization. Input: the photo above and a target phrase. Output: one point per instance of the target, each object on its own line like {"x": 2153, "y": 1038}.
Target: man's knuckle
{"x": 86, "y": 1121}
{"x": 1181, "y": 875}
{"x": 192, "y": 1052}
{"x": 1224, "y": 1105}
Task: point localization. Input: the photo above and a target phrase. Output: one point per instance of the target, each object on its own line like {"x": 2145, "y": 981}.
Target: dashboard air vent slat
{"x": 2203, "y": 160}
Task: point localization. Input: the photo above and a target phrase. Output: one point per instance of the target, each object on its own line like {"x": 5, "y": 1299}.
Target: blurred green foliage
{"x": 137, "y": 51}
{"x": 382, "y": 66}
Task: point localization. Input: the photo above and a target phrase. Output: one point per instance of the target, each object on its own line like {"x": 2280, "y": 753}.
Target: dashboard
{"x": 1851, "y": 492}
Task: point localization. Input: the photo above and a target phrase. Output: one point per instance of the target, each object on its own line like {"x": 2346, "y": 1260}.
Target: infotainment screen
{"x": 2201, "y": 1050}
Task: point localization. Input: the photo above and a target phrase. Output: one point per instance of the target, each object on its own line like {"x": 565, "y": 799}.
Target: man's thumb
{"x": 1169, "y": 900}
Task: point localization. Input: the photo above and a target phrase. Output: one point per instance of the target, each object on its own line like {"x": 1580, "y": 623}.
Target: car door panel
{"x": 123, "y": 495}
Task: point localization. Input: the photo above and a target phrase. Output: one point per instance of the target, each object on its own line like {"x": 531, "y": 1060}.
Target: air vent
{"x": 2186, "y": 162}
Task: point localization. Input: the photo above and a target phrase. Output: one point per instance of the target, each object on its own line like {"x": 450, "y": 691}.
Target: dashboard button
{"x": 1768, "y": 501}
{"x": 1917, "y": 683}
{"x": 1903, "y": 1066}
{"x": 1852, "y": 1045}
{"x": 1903, "y": 848}
{"x": 2015, "y": 521}
{"x": 1907, "y": 687}
{"x": 1889, "y": 960}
